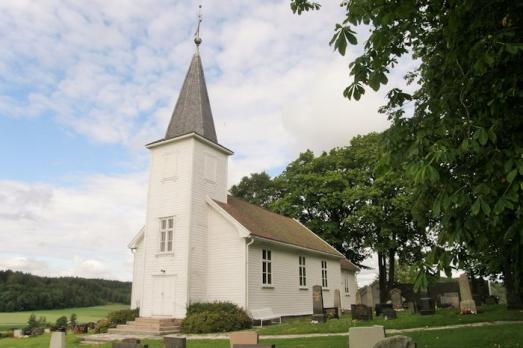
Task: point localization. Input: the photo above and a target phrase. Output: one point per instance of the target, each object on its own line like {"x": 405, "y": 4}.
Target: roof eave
{"x": 197, "y": 136}
{"x": 274, "y": 241}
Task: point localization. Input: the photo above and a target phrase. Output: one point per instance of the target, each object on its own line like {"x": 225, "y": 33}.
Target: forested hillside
{"x": 22, "y": 291}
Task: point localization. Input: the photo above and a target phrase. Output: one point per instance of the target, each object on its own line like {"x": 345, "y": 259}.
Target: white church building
{"x": 200, "y": 244}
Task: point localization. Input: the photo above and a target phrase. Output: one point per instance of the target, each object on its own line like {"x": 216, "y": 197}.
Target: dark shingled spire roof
{"x": 192, "y": 112}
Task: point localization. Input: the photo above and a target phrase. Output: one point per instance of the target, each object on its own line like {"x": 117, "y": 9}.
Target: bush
{"x": 61, "y": 323}
{"x": 122, "y": 316}
{"x": 215, "y": 317}
{"x": 102, "y": 326}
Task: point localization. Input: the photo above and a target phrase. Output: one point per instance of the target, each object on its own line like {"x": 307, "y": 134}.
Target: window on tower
{"x": 166, "y": 234}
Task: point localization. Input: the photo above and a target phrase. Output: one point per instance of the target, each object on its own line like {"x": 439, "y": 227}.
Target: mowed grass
{"x": 503, "y": 336}
{"x": 405, "y": 320}
{"x": 10, "y": 320}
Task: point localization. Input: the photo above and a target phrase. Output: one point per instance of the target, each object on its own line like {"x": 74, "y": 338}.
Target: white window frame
{"x": 266, "y": 267}
{"x": 166, "y": 234}
{"x": 302, "y": 271}
{"x": 324, "y": 275}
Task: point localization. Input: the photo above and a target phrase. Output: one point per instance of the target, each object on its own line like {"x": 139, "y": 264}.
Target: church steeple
{"x": 192, "y": 112}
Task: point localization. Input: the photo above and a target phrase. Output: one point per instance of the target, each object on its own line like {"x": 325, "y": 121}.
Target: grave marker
{"x": 467, "y": 304}
{"x": 317, "y": 304}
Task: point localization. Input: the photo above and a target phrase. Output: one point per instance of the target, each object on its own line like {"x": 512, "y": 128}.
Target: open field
{"x": 505, "y": 336}
{"x": 405, "y": 320}
{"x": 84, "y": 314}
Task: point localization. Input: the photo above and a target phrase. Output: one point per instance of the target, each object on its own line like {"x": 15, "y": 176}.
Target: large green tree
{"x": 339, "y": 196}
{"x": 463, "y": 141}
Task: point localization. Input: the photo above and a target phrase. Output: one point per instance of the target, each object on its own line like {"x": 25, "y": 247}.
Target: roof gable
{"x": 268, "y": 225}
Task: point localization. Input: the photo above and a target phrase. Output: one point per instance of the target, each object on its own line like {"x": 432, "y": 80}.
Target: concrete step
{"x": 143, "y": 332}
{"x": 150, "y": 325}
{"x": 148, "y": 328}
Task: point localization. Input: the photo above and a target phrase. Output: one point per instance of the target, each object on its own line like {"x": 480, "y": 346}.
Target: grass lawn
{"x": 85, "y": 314}
{"x": 506, "y": 336}
{"x": 405, "y": 320}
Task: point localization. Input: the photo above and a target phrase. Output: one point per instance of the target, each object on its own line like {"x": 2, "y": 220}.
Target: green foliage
{"x": 73, "y": 320}
{"x": 102, "y": 326}
{"x": 122, "y": 316}
{"x": 22, "y": 292}
{"x": 35, "y": 327}
{"x": 215, "y": 317}
{"x": 258, "y": 188}
{"x": 61, "y": 323}
{"x": 462, "y": 146}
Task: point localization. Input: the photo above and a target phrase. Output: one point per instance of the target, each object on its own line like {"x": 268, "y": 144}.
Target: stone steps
{"x": 148, "y": 327}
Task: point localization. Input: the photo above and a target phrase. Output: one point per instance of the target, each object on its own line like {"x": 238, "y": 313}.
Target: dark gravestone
{"x": 318, "y": 313}
{"x": 361, "y": 312}
{"x": 129, "y": 343}
{"x": 389, "y": 313}
{"x": 175, "y": 342}
{"x": 378, "y": 307}
{"x": 490, "y": 300}
{"x": 426, "y": 306}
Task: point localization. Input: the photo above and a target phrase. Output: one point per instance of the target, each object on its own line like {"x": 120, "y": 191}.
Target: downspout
{"x": 247, "y": 272}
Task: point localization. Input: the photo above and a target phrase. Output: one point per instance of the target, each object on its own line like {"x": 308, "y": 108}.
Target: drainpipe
{"x": 247, "y": 271}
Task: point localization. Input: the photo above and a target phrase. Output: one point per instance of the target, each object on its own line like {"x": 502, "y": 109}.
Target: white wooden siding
{"x": 348, "y": 299}
{"x": 285, "y": 297}
{"x": 138, "y": 264}
{"x": 225, "y": 262}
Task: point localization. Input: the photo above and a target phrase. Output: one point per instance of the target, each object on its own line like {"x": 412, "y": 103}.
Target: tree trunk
{"x": 513, "y": 288}
{"x": 382, "y": 269}
{"x": 392, "y": 269}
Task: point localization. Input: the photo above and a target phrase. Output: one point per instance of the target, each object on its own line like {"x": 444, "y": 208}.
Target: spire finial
{"x": 197, "y": 38}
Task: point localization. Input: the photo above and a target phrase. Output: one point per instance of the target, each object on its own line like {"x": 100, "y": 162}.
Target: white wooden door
{"x": 163, "y": 295}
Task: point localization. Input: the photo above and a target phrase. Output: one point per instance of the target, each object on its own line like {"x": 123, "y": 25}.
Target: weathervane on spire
{"x": 197, "y": 38}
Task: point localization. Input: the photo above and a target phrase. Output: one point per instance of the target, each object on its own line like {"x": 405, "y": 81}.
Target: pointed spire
{"x": 192, "y": 112}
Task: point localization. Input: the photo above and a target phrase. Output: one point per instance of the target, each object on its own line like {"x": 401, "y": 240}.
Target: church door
{"x": 163, "y": 295}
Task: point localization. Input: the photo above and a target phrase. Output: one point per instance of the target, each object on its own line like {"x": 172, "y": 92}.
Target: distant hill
{"x": 23, "y": 291}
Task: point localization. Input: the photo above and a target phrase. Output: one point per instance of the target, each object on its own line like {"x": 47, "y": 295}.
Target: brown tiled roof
{"x": 265, "y": 224}
{"x": 349, "y": 266}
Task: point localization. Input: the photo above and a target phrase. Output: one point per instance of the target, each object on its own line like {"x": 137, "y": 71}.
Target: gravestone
{"x": 57, "y": 340}
{"x": 18, "y": 333}
{"x": 243, "y": 337}
{"x": 491, "y": 300}
{"x": 337, "y": 302}
{"x": 426, "y": 306}
{"x": 413, "y": 307}
{"x": 467, "y": 304}
{"x": 395, "y": 298}
{"x": 450, "y": 299}
{"x": 129, "y": 343}
{"x": 379, "y": 307}
{"x": 389, "y": 313}
{"x": 317, "y": 304}
{"x": 365, "y": 337}
{"x": 396, "y": 342}
{"x": 254, "y": 346}
{"x": 175, "y": 342}
{"x": 361, "y": 312}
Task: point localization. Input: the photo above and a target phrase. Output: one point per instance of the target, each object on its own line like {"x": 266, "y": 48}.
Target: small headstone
{"x": 337, "y": 302}
{"x": 57, "y": 340}
{"x": 365, "y": 337}
{"x": 361, "y": 312}
{"x": 413, "y": 308}
{"x": 317, "y": 304}
{"x": 396, "y": 299}
{"x": 450, "y": 299}
{"x": 396, "y": 342}
{"x": 129, "y": 343}
{"x": 175, "y": 342}
{"x": 378, "y": 307}
{"x": 242, "y": 337}
{"x": 254, "y": 346}
{"x": 426, "y": 306}
{"x": 467, "y": 304}
{"x": 47, "y": 330}
{"x": 18, "y": 333}
{"x": 389, "y": 314}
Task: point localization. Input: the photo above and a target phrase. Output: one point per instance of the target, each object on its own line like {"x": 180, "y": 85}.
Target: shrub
{"x": 73, "y": 320}
{"x": 102, "y": 326}
{"x": 215, "y": 317}
{"x": 122, "y": 316}
{"x": 61, "y": 323}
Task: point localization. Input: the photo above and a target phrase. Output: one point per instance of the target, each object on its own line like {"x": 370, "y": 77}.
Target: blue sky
{"x": 84, "y": 85}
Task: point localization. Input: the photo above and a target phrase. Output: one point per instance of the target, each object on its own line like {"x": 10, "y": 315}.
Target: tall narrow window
{"x": 346, "y": 280}
{"x": 302, "y": 271}
{"x": 324, "y": 282}
{"x": 166, "y": 234}
{"x": 266, "y": 267}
